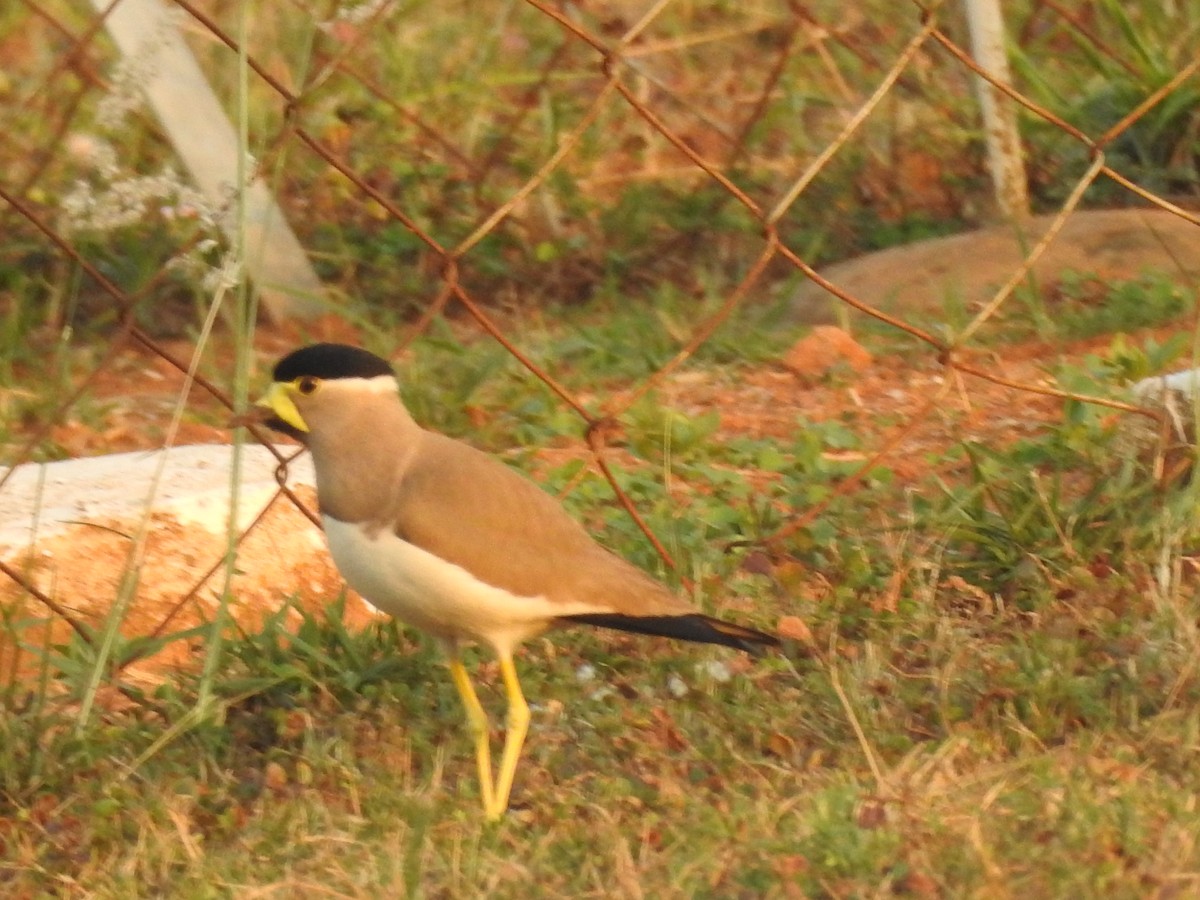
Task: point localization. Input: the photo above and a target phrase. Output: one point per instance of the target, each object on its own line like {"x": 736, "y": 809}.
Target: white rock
{"x": 677, "y": 686}
{"x": 45, "y": 499}
{"x": 714, "y": 669}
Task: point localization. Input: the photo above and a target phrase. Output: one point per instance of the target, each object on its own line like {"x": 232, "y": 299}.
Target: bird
{"x": 455, "y": 543}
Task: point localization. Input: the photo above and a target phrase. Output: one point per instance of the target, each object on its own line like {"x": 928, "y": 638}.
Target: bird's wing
{"x": 472, "y": 510}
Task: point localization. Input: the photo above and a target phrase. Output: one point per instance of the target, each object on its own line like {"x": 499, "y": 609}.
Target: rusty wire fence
{"x": 462, "y": 159}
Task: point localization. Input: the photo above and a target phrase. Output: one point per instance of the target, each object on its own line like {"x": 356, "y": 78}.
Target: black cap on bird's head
{"x": 328, "y": 361}
{"x": 299, "y": 376}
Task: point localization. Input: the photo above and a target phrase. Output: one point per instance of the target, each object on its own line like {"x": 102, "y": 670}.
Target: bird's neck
{"x": 372, "y": 448}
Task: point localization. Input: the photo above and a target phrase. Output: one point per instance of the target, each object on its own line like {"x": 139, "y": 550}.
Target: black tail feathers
{"x": 690, "y": 627}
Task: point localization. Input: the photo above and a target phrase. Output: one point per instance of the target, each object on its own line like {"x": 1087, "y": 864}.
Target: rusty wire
{"x": 616, "y": 91}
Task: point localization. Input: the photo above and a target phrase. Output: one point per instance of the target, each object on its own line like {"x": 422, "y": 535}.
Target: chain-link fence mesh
{"x": 479, "y": 161}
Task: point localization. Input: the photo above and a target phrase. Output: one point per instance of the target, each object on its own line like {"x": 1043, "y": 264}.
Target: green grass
{"x": 738, "y": 788}
{"x": 1131, "y": 52}
{"x": 1008, "y": 762}
{"x": 1000, "y": 696}
{"x": 1016, "y": 714}
{"x": 1081, "y": 305}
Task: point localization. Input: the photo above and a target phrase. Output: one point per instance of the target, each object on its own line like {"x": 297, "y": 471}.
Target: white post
{"x": 1005, "y": 159}
{"x": 203, "y": 136}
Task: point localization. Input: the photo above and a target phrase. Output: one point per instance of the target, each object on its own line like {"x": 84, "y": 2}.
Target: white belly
{"x": 436, "y": 596}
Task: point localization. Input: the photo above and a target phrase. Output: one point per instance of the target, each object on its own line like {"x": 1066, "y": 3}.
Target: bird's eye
{"x": 306, "y": 384}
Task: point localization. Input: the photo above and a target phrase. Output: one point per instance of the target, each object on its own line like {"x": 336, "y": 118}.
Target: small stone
{"x": 822, "y": 349}
{"x": 677, "y": 687}
{"x": 715, "y": 669}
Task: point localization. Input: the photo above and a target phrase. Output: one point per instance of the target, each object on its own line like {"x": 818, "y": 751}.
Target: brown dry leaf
{"x": 780, "y": 745}
{"x": 275, "y": 776}
{"x": 889, "y": 600}
{"x": 757, "y": 563}
{"x": 668, "y": 732}
{"x": 872, "y": 814}
{"x": 477, "y": 416}
{"x": 793, "y": 628}
{"x": 788, "y": 869}
{"x": 918, "y": 884}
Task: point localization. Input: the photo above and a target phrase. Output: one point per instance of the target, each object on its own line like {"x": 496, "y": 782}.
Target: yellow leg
{"x": 478, "y": 721}
{"x": 514, "y": 736}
